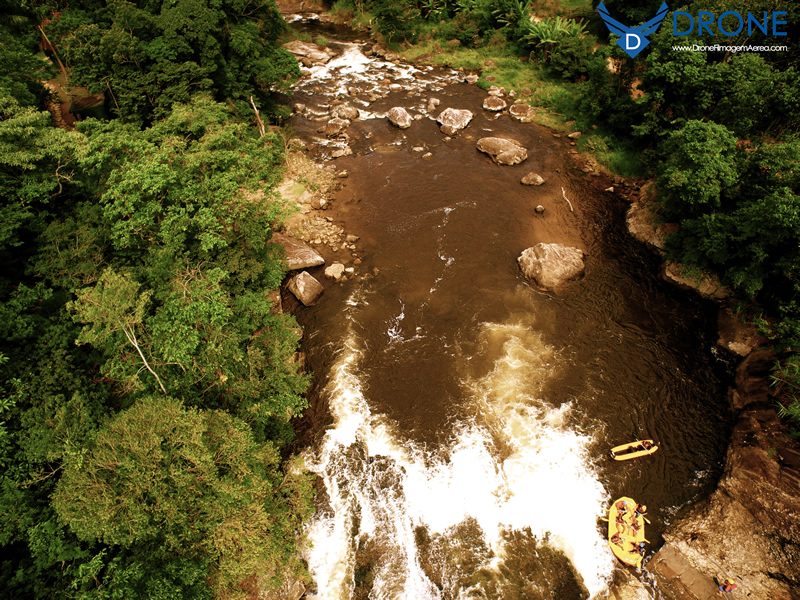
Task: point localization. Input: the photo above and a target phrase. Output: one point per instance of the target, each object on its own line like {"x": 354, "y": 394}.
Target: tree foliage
{"x": 150, "y": 55}
{"x": 188, "y": 211}
{"x": 168, "y": 482}
{"x": 138, "y": 266}
{"x": 698, "y": 169}
{"x": 36, "y": 160}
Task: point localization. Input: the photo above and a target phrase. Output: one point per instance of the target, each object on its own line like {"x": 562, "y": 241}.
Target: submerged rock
{"x": 551, "y": 265}
{"x": 399, "y": 117}
{"x": 339, "y": 152}
{"x": 453, "y": 120}
{"x": 503, "y": 151}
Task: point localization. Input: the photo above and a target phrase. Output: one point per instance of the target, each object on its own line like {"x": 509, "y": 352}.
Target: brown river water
{"x": 461, "y": 418}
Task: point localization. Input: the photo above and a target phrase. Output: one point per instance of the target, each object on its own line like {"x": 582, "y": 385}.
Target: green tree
{"x": 187, "y": 210}
{"x": 699, "y": 167}
{"x": 36, "y": 161}
{"x": 21, "y": 71}
{"x": 168, "y": 482}
{"x": 150, "y": 55}
{"x": 114, "y": 312}
{"x": 753, "y": 237}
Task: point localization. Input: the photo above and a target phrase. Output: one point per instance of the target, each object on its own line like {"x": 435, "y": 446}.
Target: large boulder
{"x": 305, "y": 288}
{"x": 298, "y": 254}
{"x": 453, "y": 120}
{"x": 308, "y": 50}
{"x": 399, "y": 117}
{"x": 521, "y": 112}
{"x": 345, "y": 111}
{"x": 503, "y": 151}
{"x": 551, "y": 265}
{"x": 494, "y": 103}
{"x": 336, "y": 126}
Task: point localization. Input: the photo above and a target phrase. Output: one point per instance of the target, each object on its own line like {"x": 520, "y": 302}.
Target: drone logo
{"x": 633, "y": 39}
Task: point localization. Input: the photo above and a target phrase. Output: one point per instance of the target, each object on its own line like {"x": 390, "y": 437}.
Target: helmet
{"x": 729, "y": 580}
{"x": 641, "y": 545}
{"x": 644, "y": 507}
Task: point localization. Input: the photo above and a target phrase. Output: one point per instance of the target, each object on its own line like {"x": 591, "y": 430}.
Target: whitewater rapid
{"x": 515, "y": 464}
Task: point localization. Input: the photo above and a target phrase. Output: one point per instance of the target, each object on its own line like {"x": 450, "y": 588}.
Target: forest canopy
{"x": 148, "y": 377}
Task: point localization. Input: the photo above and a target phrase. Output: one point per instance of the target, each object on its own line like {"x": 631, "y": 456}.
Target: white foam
{"x": 544, "y": 481}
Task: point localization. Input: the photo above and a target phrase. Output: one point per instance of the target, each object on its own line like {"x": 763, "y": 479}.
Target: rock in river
{"x": 345, "y": 111}
{"x": 336, "y": 126}
{"x": 335, "y": 271}
{"x": 550, "y": 265}
{"x": 309, "y": 50}
{"x": 521, "y": 112}
{"x": 532, "y": 179}
{"x": 453, "y": 120}
{"x": 298, "y": 254}
{"x": 399, "y": 117}
{"x": 494, "y": 104}
{"x": 305, "y": 288}
{"x": 502, "y": 151}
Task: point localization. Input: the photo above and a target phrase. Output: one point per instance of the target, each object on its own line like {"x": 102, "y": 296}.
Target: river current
{"x": 462, "y": 418}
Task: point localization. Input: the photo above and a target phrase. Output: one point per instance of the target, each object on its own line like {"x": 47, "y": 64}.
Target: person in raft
{"x": 727, "y": 587}
{"x": 635, "y": 526}
{"x": 621, "y": 523}
{"x": 640, "y": 548}
{"x": 622, "y": 507}
{"x": 645, "y": 445}
{"x": 616, "y": 539}
{"x": 641, "y": 511}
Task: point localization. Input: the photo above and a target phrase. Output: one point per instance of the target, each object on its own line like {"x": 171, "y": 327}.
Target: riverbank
{"x": 749, "y": 529}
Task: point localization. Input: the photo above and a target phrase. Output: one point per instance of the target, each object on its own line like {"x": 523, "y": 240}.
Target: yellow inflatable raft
{"x": 634, "y": 449}
{"x": 626, "y": 532}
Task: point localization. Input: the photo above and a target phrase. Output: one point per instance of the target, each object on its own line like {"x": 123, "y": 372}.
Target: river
{"x": 462, "y": 418}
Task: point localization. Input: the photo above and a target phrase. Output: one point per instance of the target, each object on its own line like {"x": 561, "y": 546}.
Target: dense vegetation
{"x": 719, "y": 131}
{"x": 147, "y": 381}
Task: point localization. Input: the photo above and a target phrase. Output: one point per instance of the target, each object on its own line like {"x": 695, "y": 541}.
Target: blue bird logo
{"x": 633, "y": 39}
